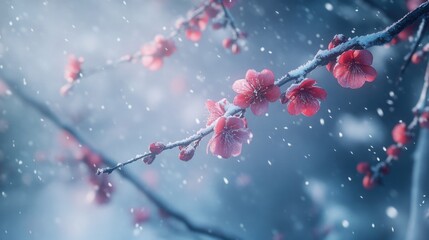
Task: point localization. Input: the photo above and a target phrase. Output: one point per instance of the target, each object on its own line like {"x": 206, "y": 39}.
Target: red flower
{"x": 424, "y": 120}
{"x": 216, "y": 109}
{"x": 256, "y": 90}
{"x": 400, "y": 134}
{"x": 73, "y": 68}
{"x": 354, "y": 69}
{"x": 304, "y": 98}
{"x": 153, "y": 53}
{"x": 338, "y": 39}
{"x": 229, "y": 136}
{"x": 393, "y": 151}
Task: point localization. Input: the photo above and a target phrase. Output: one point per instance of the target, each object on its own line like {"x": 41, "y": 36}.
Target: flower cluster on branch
{"x": 347, "y": 59}
{"x": 152, "y": 55}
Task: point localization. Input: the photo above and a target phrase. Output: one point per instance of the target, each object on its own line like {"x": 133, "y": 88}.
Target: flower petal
{"x": 311, "y": 108}
{"x": 307, "y": 83}
{"x": 236, "y": 149}
{"x": 266, "y": 78}
{"x": 363, "y": 57}
{"x": 242, "y": 86}
{"x": 349, "y": 77}
{"x": 318, "y": 92}
{"x": 273, "y": 94}
{"x": 259, "y": 107}
{"x": 220, "y": 125}
{"x": 346, "y": 57}
{"x": 370, "y": 73}
{"x": 294, "y": 108}
{"x": 234, "y": 123}
{"x": 243, "y": 100}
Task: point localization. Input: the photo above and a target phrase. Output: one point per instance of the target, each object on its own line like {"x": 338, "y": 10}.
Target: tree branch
{"x": 157, "y": 201}
{"x": 322, "y": 58}
{"x": 416, "y": 41}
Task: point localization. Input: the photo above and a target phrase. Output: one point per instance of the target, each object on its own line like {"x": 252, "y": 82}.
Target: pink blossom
{"x": 73, "y": 68}
{"x": 353, "y": 69}
{"x": 216, "y": 109}
{"x": 229, "y": 135}
{"x": 256, "y": 91}
{"x": 153, "y": 53}
{"x": 304, "y": 98}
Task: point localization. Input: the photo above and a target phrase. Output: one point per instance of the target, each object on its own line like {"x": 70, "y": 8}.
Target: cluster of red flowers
{"x": 401, "y": 135}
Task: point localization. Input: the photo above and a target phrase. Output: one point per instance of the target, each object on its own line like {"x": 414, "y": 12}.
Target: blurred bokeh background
{"x": 297, "y": 177}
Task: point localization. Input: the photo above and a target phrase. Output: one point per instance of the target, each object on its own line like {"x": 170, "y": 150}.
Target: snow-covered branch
{"x": 322, "y": 58}
{"x": 107, "y": 161}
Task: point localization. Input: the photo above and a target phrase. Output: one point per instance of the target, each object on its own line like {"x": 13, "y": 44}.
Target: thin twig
{"x": 156, "y": 200}
{"x": 412, "y": 127}
{"x": 416, "y": 41}
{"x": 230, "y": 19}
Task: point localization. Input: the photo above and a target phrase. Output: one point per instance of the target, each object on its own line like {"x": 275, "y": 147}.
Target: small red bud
{"x": 424, "y": 120}
{"x": 156, "y": 148}
{"x": 400, "y": 134}
{"x": 426, "y": 47}
{"x": 363, "y": 167}
{"x": 227, "y": 43}
{"x": 417, "y": 57}
{"x": 385, "y": 169}
{"x": 186, "y": 153}
{"x": 235, "y": 49}
{"x": 149, "y": 159}
{"x": 283, "y": 98}
{"x": 393, "y": 151}
{"x": 368, "y": 182}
